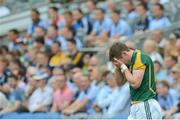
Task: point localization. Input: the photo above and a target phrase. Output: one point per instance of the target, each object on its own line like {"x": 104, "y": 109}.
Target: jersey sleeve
{"x": 138, "y": 65}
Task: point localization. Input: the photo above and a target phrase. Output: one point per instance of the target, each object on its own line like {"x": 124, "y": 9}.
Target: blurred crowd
{"x": 45, "y": 70}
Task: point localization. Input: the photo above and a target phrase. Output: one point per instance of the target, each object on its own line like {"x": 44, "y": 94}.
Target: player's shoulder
{"x": 145, "y": 58}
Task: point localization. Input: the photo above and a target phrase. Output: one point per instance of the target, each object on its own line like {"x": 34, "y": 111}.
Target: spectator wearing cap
{"x": 36, "y": 22}
{"x": 166, "y": 96}
{"x": 62, "y": 96}
{"x": 101, "y": 26}
{"x": 119, "y": 27}
{"x": 14, "y": 94}
{"x": 15, "y": 40}
{"x": 55, "y": 19}
{"x": 176, "y": 76}
{"x": 41, "y": 98}
{"x": 132, "y": 16}
{"x": 65, "y": 34}
{"x": 160, "y": 21}
{"x": 58, "y": 58}
{"x": 74, "y": 54}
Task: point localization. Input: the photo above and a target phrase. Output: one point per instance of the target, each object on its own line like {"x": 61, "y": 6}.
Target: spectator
{"x": 36, "y": 22}
{"x": 160, "y": 21}
{"x": 74, "y": 54}
{"x": 63, "y": 96}
{"x": 67, "y": 33}
{"x": 41, "y": 98}
{"x": 158, "y": 37}
{"x": 170, "y": 61}
{"x": 3, "y": 74}
{"x": 4, "y": 101}
{"x": 42, "y": 60}
{"x": 131, "y": 13}
{"x": 149, "y": 47}
{"x": 176, "y": 77}
{"x": 178, "y": 49}
{"x": 144, "y": 20}
{"x": 101, "y": 25}
{"x": 56, "y": 19}
{"x": 15, "y": 40}
{"x": 109, "y": 6}
{"x": 80, "y": 22}
{"x": 15, "y": 95}
{"x": 158, "y": 68}
{"x": 119, "y": 27}
{"x": 39, "y": 44}
{"x": 170, "y": 114}
{"x": 4, "y": 10}
{"x": 85, "y": 98}
{"x": 165, "y": 96}
{"x": 115, "y": 103}
{"x": 58, "y": 58}
{"x": 52, "y": 35}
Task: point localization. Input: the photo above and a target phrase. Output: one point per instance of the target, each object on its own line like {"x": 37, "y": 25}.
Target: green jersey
{"x": 147, "y": 88}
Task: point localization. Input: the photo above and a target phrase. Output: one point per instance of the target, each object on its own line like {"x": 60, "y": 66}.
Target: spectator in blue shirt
{"x": 80, "y": 22}
{"x": 131, "y": 13}
{"x": 15, "y": 40}
{"x": 15, "y": 95}
{"x": 3, "y": 75}
{"x": 119, "y": 27}
{"x": 101, "y": 26}
{"x": 36, "y": 21}
{"x": 144, "y": 20}
{"x": 166, "y": 97}
{"x": 160, "y": 21}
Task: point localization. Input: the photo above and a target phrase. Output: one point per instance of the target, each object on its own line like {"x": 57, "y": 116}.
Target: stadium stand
{"x": 54, "y": 62}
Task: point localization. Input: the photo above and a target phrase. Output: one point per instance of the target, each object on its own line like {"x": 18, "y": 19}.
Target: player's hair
{"x": 116, "y": 50}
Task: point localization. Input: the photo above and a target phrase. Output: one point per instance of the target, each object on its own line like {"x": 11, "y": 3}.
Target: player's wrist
{"x": 123, "y": 68}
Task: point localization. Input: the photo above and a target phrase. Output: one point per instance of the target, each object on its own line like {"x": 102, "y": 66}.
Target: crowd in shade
{"x": 46, "y": 71}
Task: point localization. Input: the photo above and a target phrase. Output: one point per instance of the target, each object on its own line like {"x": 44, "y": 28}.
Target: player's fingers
{"x": 115, "y": 59}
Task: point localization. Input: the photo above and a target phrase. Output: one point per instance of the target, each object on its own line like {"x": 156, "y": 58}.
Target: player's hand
{"x": 117, "y": 62}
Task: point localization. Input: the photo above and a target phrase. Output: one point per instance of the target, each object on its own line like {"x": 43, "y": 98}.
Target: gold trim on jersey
{"x": 136, "y": 102}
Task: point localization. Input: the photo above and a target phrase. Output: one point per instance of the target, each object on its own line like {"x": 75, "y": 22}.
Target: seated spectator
{"x": 62, "y": 96}
{"x": 85, "y": 98}
{"x": 58, "y": 58}
{"x": 80, "y": 22}
{"x": 144, "y": 19}
{"x": 158, "y": 37}
{"x": 176, "y": 76}
{"x": 131, "y": 16}
{"x": 52, "y": 35}
{"x": 3, "y": 101}
{"x": 42, "y": 60}
{"x": 119, "y": 27}
{"x": 118, "y": 99}
{"x": 165, "y": 96}
{"x": 74, "y": 54}
{"x": 86, "y": 60}
{"x": 158, "y": 68}
{"x": 15, "y": 95}
{"x": 4, "y": 10}
{"x": 15, "y": 40}
{"x": 65, "y": 34}
{"x": 170, "y": 114}
{"x": 3, "y": 74}
{"x": 160, "y": 21}
{"x": 178, "y": 49}
{"x": 41, "y": 98}
{"x": 39, "y": 44}
{"x": 31, "y": 83}
{"x": 170, "y": 62}
{"x": 101, "y": 26}
{"x": 56, "y": 19}
{"x": 36, "y": 22}
{"x": 109, "y": 6}
{"x": 149, "y": 47}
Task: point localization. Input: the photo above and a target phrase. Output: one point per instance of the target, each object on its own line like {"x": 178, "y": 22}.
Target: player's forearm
{"x": 131, "y": 79}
